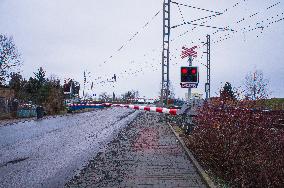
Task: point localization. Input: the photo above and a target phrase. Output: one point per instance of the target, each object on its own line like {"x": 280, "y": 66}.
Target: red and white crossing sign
{"x": 186, "y": 52}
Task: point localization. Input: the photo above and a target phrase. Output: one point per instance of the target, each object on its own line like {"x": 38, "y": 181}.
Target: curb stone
{"x": 198, "y": 167}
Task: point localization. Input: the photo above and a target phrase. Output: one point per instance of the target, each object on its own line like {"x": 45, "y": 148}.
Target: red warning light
{"x": 184, "y": 70}
{"x": 193, "y": 71}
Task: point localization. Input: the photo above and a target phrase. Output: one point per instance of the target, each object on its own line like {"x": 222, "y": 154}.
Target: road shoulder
{"x": 198, "y": 167}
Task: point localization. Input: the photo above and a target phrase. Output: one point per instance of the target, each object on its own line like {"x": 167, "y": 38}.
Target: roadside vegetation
{"x": 39, "y": 90}
{"x": 17, "y": 92}
{"x": 239, "y": 144}
{"x": 240, "y": 141}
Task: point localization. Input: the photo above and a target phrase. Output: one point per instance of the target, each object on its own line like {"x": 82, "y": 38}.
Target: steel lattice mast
{"x": 166, "y": 51}
{"x": 208, "y": 52}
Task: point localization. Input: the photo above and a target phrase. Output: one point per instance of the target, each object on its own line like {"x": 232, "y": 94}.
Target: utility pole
{"x": 165, "y": 52}
{"x": 189, "y": 89}
{"x": 208, "y": 84}
{"x": 254, "y": 86}
{"x": 71, "y": 89}
{"x": 85, "y": 80}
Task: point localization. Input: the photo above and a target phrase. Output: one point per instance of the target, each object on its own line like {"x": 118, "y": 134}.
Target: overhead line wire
{"x": 217, "y": 13}
{"x": 249, "y": 28}
{"x": 133, "y": 36}
{"x": 193, "y": 7}
{"x": 208, "y": 19}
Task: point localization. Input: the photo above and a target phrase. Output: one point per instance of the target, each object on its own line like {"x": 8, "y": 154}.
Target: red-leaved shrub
{"x": 241, "y": 145}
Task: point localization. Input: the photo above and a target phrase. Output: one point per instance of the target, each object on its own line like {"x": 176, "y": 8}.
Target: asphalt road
{"x": 48, "y": 152}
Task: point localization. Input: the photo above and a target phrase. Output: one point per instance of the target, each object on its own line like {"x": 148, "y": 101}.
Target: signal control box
{"x": 189, "y": 74}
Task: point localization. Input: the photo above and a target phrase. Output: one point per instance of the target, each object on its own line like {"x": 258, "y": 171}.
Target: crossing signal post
{"x": 190, "y": 74}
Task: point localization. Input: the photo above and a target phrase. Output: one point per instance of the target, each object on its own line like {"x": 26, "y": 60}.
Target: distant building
{"x": 197, "y": 95}
{"x": 150, "y": 101}
{"x": 194, "y": 96}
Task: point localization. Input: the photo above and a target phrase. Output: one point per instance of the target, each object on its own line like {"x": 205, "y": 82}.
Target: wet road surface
{"x": 48, "y": 152}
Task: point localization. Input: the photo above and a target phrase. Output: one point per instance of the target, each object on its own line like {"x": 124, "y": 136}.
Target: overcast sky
{"x": 67, "y": 37}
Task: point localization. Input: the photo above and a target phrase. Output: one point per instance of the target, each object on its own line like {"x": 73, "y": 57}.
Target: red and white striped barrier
{"x": 136, "y": 99}
{"x": 90, "y": 105}
{"x": 135, "y": 107}
{"x": 85, "y": 105}
{"x": 149, "y": 108}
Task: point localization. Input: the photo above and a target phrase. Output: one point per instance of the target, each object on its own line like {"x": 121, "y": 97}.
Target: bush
{"x": 243, "y": 146}
{"x": 54, "y": 101}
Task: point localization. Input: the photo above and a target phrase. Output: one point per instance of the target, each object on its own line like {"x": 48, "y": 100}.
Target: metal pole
{"x": 165, "y": 52}
{"x": 208, "y": 67}
{"x": 189, "y": 89}
{"x": 71, "y": 90}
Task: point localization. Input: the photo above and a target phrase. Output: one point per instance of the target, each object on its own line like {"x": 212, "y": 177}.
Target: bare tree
{"x": 256, "y": 86}
{"x": 130, "y": 95}
{"x": 9, "y": 58}
{"x": 104, "y": 97}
